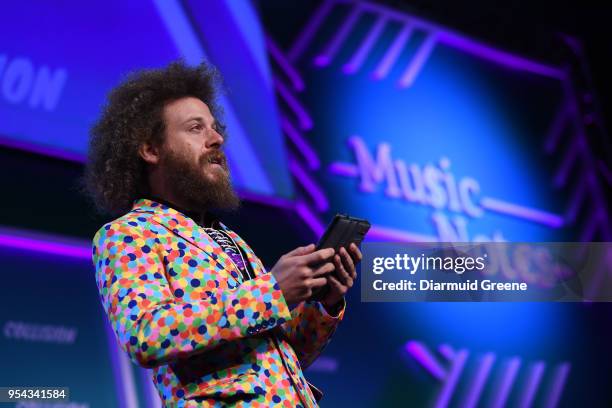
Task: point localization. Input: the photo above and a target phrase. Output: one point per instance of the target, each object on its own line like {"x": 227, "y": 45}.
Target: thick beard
{"x": 191, "y": 186}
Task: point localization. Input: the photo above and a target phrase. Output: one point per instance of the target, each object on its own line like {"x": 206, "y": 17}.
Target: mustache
{"x": 214, "y": 157}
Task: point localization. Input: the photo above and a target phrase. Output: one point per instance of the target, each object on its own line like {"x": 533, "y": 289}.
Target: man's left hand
{"x": 344, "y": 277}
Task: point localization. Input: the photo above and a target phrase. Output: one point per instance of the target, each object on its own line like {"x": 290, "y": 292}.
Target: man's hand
{"x": 346, "y": 274}
{"x": 300, "y": 271}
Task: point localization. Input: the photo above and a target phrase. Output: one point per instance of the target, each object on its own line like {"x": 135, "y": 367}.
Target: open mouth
{"x": 216, "y": 160}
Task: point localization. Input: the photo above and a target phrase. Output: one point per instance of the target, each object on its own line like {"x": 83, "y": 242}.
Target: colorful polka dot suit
{"x": 178, "y": 305}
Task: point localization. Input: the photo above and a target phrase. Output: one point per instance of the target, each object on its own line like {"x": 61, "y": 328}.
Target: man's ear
{"x": 149, "y": 152}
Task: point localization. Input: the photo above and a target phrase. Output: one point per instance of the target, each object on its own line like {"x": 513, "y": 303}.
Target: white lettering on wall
{"x": 22, "y": 82}
{"x": 432, "y": 184}
{"x": 39, "y": 333}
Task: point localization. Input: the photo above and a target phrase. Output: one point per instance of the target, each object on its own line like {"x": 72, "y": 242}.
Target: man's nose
{"x": 215, "y": 139}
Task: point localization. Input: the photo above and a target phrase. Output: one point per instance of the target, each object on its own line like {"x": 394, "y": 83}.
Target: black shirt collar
{"x": 204, "y": 219}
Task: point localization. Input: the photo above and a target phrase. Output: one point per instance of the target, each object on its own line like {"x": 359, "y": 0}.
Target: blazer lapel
{"x": 185, "y": 227}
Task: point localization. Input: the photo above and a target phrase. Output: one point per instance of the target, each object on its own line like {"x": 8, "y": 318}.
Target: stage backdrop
{"x": 430, "y": 134}
{"x": 59, "y": 60}
{"x": 435, "y": 136}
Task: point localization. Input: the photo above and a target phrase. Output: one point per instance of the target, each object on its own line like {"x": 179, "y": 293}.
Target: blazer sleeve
{"x": 152, "y": 324}
{"x": 310, "y": 329}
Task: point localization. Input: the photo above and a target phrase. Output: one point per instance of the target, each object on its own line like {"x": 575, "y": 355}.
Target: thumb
{"x": 301, "y": 250}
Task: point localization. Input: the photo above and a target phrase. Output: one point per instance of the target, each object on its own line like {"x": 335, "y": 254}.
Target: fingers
{"x": 356, "y": 252}
{"x": 356, "y": 257}
{"x": 318, "y": 256}
{"x": 318, "y": 282}
{"x": 326, "y": 268}
{"x": 301, "y": 250}
{"x": 336, "y": 286}
{"x": 347, "y": 261}
{"x": 342, "y": 273}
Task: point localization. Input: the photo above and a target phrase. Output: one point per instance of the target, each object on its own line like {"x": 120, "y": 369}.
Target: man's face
{"x": 191, "y": 159}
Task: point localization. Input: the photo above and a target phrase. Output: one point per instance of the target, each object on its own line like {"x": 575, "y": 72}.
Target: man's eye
{"x": 196, "y": 128}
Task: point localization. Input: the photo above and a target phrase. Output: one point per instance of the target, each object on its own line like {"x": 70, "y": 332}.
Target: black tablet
{"x": 341, "y": 232}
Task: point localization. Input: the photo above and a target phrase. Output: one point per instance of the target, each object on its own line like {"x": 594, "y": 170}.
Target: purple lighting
{"x": 36, "y": 242}
{"x": 392, "y": 53}
{"x": 344, "y": 169}
{"x": 576, "y": 202}
{"x": 362, "y": 24}
{"x": 531, "y": 214}
{"x": 362, "y": 52}
{"x": 309, "y": 30}
{"x": 299, "y": 111}
{"x": 446, "y": 36}
{"x": 329, "y": 53}
{"x": 479, "y": 381}
{"x": 265, "y": 199}
{"x": 423, "y": 357}
{"x": 324, "y": 365}
{"x": 491, "y": 204}
{"x": 569, "y": 158}
{"x": 556, "y": 128}
{"x": 389, "y": 234}
{"x": 126, "y": 396}
{"x": 43, "y": 150}
{"x": 447, "y": 351}
{"x": 418, "y": 62}
{"x": 501, "y": 394}
{"x": 315, "y": 192}
{"x": 533, "y": 381}
{"x": 302, "y": 146}
{"x": 471, "y": 383}
{"x": 500, "y": 57}
{"x": 560, "y": 376}
{"x": 152, "y": 399}
{"x": 290, "y": 71}
{"x": 309, "y": 218}
{"x": 451, "y": 379}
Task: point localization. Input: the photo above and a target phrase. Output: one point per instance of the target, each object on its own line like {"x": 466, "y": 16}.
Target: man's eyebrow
{"x": 200, "y": 119}
{"x": 196, "y": 118}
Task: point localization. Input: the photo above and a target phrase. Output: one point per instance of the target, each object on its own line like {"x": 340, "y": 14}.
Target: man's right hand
{"x": 300, "y": 271}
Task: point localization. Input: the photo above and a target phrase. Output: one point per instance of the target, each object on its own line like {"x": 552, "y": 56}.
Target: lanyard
{"x": 223, "y": 239}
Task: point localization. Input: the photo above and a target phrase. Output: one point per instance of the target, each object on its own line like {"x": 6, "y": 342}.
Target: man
{"x": 186, "y": 295}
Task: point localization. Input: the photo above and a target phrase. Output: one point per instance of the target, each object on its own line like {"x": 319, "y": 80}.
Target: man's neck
{"x": 201, "y": 217}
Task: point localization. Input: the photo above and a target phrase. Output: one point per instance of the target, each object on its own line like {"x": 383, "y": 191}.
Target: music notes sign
{"x": 431, "y": 135}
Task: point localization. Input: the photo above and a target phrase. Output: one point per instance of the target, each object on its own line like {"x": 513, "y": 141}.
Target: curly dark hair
{"x": 115, "y": 174}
